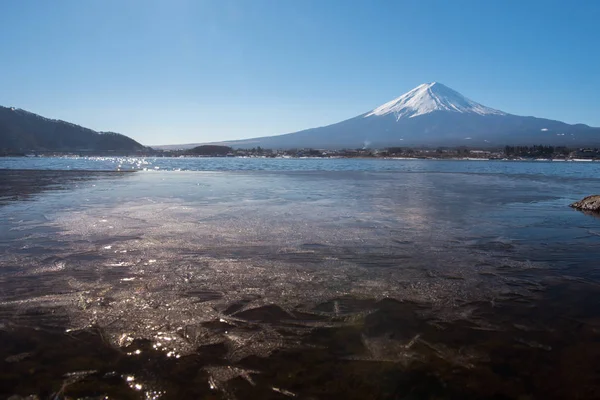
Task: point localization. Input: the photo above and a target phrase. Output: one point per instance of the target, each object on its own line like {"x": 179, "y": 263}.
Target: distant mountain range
{"x": 431, "y": 114}
{"x": 23, "y": 131}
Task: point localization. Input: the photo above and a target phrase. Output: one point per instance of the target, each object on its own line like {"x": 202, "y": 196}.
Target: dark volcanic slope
{"x": 23, "y": 131}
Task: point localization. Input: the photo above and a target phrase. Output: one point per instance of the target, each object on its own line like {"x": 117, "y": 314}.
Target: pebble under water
{"x": 298, "y": 284}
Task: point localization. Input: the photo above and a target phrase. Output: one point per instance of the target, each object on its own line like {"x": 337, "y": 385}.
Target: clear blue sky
{"x": 193, "y": 71}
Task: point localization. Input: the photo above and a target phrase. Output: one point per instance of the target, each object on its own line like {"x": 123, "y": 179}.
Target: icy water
{"x": 307, "y": 279}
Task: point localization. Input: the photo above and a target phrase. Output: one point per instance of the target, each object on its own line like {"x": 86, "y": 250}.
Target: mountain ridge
{"x": 431, "y": 114}
{"x": 24, "y": 131}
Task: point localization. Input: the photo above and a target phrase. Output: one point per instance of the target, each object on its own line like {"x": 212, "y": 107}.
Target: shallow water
{"x": 357, "y": 279}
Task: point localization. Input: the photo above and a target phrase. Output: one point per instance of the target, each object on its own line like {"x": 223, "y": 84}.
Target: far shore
{"x": 360, "y": 157}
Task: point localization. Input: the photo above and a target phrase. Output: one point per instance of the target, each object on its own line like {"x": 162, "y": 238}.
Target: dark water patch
{"x": 268, "y": 313}
{"x": 22, "y": 288}
{"x": 343, "y": 306}
{"x": 77, "y": 365}
{"x": 33, "y": 316}
{"x": 592, "y": 214}
{"x": 18, "y": 185}
{"x": 455, "y": 361}
{"x": 549, "y": 351}
{"x": 238, "y": 305}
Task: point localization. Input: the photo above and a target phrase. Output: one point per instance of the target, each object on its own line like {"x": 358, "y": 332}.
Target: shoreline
{"x": 311, "y": 158}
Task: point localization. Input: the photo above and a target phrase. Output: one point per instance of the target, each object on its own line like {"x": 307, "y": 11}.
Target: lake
{"x": 228, "y": 278}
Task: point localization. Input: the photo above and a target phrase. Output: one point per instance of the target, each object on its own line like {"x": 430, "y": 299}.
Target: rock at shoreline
{"x": 590, "y": 203}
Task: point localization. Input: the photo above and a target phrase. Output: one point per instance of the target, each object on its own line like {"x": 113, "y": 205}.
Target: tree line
{"x": 536, "y": 151}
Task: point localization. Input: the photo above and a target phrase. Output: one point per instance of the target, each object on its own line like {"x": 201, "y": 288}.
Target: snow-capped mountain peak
{"x": 430, "y": 97}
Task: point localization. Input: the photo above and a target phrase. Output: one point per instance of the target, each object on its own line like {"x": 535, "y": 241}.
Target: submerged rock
{"x": 590, "y": 203}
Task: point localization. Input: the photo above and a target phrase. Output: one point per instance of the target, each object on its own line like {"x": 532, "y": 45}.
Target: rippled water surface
{"x": 310, "y": 279}
{"x": 546, "y": 168}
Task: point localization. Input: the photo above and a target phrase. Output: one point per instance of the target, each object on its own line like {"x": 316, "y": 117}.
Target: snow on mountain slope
{"x": 431, "y": 115}
{"x": 430, "y": 97}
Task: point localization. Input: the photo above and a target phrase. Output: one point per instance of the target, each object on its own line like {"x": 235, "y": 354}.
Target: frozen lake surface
{"x": 312, "y": 279}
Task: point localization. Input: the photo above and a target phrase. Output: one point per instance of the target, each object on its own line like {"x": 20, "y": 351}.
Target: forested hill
{"x": 23, "y": 131}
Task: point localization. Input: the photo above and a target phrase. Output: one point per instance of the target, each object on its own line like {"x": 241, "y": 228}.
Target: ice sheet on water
{"x": 254, "y": 266}
{"x": 185, "y": 267}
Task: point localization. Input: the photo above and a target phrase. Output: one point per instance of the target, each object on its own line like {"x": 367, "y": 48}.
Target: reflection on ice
{"x": 189, "y": 259}
{"x": 391, "y": 269}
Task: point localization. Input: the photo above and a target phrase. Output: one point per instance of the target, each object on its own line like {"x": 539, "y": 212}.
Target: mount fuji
{"x": 432, "y": 114}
